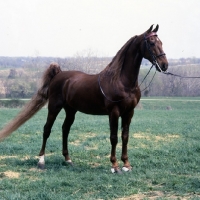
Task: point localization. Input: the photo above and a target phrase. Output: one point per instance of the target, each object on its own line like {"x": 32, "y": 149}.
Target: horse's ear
{"x": 149, "y": 30}
{"x": 156, "y": 29}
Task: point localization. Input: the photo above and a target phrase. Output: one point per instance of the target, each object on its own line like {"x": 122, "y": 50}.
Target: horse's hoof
{"x": 116, "y": 170}
{"x": 69, "y": 162}
{"x": 41, "y": 166}
{"x": 126, "y": 169}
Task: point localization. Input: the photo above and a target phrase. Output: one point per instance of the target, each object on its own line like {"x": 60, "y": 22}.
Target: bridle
{"x": 154, "y": 57}
{"x": 147, "y": 46}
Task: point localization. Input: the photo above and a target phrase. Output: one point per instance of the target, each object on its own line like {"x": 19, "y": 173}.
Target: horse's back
{"x": 79, "y": 91}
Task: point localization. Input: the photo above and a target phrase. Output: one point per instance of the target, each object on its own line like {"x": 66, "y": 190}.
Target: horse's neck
{"x": 131, "y": 67}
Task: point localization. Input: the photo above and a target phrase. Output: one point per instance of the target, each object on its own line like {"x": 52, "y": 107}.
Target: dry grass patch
{"x": 157, "y": 195}
{"x": 75, "y": 143}
{"x": 91, "y": 148}
{"x": 83, "y": 138}
{"x": 4, "y": 157}
{"x": 155, "y": 138}
{"x": 94, "y": 165}
{"x": 89, "y": 135}
{"x": 11, "y": 174}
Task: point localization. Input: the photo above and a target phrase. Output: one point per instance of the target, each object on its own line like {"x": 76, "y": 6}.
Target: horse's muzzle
{"x": 161, "y": 67}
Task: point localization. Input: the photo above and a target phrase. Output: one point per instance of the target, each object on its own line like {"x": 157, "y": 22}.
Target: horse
{"x": 114, "y": 92}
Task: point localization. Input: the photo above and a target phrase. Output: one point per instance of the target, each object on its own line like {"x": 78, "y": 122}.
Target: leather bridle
{"x": 148, "y": 45}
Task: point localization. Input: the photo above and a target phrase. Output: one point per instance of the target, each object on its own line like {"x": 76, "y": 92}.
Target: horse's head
{"x": 151, "y": 48}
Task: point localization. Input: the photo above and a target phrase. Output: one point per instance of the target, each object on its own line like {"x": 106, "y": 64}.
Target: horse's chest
{"x": 128, "y": 104}
{"x": 131, "y": 102}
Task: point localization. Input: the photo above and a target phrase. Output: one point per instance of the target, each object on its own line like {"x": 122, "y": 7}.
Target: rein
{"x": 146, "y": 77}
{"x": 172, "y": 74}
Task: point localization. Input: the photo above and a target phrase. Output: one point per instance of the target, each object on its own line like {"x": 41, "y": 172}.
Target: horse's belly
{"x": 93, "y": 110}
{"x": 89, "y": 108}
{"x": 89, "y": 104}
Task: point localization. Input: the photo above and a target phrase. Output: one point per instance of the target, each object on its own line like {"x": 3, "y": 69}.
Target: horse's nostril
{"x": 164, "y": 66}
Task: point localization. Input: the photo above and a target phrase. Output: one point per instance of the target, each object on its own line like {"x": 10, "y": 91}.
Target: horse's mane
{"x": 113, "y": 69}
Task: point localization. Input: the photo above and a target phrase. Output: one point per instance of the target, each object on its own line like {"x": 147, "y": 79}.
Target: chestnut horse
{"x": 113, "y": 92}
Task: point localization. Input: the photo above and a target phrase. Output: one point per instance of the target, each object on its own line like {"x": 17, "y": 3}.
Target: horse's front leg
{"x": 126, "y": 120}
{"x": 113, "y": 119}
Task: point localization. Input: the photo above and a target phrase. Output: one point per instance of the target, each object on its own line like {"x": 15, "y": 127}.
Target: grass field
{"x": 164, "y": 150}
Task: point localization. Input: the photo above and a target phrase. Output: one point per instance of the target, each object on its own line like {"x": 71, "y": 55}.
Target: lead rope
{"x": 169, "y": 73}
{"x": 149, "y": 82}
{"x": 146, "y": 77}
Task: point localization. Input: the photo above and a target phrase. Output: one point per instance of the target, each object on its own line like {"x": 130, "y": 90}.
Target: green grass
{"x": 164, "y": 150}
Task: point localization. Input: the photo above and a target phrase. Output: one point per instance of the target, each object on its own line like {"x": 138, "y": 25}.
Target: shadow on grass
{"x": 53, "y": 163}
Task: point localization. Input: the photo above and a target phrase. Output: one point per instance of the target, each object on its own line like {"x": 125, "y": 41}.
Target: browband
{"x": 150, "y": 34}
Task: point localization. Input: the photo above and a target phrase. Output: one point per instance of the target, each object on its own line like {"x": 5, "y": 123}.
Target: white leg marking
{"x": 126, "y": 169}
{"x": 113, "y": 170}
{"x": 41, "y": 159}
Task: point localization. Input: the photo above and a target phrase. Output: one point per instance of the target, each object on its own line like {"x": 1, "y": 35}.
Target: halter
{"x": 153, "y": 56}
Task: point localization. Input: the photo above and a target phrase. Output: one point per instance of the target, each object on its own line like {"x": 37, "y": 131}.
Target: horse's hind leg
{"x": 70, "y": 116}
{"x": 126, "y": 120}
{"x": 53, "y": 111}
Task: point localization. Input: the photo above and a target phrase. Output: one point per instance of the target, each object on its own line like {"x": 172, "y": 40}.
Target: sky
{"x": 65, "y": 28}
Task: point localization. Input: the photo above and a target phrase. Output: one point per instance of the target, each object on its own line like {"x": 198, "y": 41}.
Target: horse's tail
{"x": 36, "y": 103}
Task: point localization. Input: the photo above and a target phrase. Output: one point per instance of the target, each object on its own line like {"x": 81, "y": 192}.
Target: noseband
{"x": 147, "y": 46}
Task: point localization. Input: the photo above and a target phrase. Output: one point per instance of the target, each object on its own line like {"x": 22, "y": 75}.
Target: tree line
{"x": 20, "y": 77}
{"x": 27, "y": 62}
